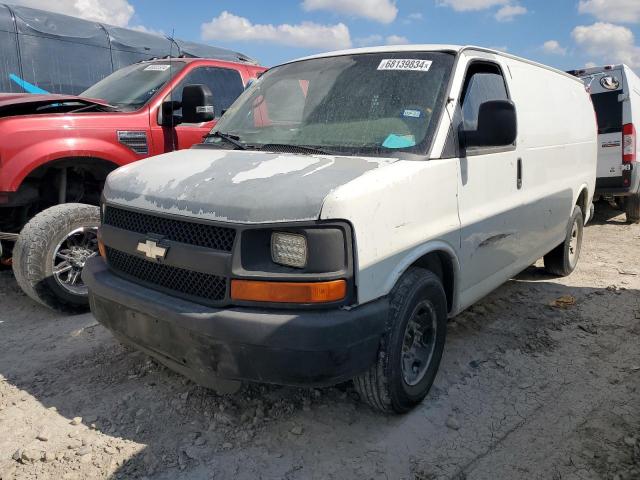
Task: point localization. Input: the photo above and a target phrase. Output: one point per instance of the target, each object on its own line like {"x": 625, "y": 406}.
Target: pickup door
{"x": 225, "y": 84}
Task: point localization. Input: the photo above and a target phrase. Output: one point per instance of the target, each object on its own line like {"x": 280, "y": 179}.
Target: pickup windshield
{"x": 362, "y": 104}
{"x": 132, "y": 87}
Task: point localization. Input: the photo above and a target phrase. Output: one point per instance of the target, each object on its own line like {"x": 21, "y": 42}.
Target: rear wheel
{"x": 50, "y": 253}
{"x": 412, "y": 346}
{"x": 563, "y": 259}
{"x": 632, "y": 208}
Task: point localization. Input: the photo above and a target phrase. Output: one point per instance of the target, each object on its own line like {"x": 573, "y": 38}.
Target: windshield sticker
{"x": 412, "y": 113}
{"x": 157, "y": 68}
{"x": 399, "y": 141}
{"x": 407, "y": 64}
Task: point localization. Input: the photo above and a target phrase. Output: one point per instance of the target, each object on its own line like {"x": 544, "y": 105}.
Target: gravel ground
{"x": 530, "y": 387}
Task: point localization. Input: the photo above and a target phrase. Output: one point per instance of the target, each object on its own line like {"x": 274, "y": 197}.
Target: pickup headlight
{"x": 289, "y": 249}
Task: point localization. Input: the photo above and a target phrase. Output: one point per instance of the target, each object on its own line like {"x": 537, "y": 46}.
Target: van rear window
{"x": 608, "y": 111}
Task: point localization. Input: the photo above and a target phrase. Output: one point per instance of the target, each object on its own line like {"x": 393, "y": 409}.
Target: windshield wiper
{"x": 230, "y": 138}
{"x": 289, "y": 148}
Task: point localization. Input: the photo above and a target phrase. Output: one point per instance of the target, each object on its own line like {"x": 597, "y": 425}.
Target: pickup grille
{"x": 177, "y": 281}
{"x": 200, "y": 234}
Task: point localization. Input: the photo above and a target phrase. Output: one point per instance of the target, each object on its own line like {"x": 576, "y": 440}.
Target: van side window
{"x": 225, "y": 84}
{"x": 484, "y": 83}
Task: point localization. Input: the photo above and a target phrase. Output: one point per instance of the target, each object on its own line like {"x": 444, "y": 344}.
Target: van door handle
{"x": 519, "y": 180}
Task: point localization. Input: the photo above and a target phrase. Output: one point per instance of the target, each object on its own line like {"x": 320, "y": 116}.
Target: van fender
{"x": 413, "y": 255}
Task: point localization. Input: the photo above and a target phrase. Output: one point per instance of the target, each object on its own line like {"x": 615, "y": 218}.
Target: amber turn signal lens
{"x": 288, "y": 292}
{"x": 101, "y": 249}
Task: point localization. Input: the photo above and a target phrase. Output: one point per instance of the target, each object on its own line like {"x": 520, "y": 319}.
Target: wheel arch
{"x": 436, "y": 255}
{"x": 582, "y": 201}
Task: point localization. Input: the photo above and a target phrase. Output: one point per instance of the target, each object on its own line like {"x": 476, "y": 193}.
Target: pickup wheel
{"x": 563, "y": 259}
{"x": 412, "y": 346}
{"x": 50, "y": 253}
{"x": 632, "y": 208}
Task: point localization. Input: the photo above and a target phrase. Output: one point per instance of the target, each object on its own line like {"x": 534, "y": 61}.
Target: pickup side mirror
{"x": 166, "y": 116}
{"x": 197, "y": 104}
{"x": 497, "y": 125}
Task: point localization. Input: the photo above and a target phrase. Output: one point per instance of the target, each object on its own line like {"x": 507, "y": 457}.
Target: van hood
{"x": 234, "y": 185}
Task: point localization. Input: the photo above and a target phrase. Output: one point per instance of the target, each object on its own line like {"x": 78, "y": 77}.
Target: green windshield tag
{"x": 399, "y": 141}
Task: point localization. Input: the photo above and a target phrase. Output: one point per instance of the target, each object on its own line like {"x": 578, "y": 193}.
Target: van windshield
{"x": 362, "y": 104}
{"x": 132, "y": 87}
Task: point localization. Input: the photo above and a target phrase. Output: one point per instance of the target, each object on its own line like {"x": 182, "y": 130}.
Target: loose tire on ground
{"x": 632, "y": 208}
{"x": 563, "y": 259}
{"x": 387, "y": 385}
{"x": 34, "y": 259}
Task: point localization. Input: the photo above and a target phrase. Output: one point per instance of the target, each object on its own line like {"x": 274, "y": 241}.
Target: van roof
{"x": 429, "y": 48}
{"x": 581, "y": 72}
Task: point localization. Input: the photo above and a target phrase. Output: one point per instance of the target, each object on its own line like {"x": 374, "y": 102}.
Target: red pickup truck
{"x": 56, "y": 151}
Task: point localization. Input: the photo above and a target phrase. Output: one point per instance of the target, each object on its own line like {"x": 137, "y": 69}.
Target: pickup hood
{"x": 28, "y": 104}
{"x": 234, "y": 185}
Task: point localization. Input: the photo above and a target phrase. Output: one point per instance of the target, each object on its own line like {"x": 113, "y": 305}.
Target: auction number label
{"x": 407, "y": 64}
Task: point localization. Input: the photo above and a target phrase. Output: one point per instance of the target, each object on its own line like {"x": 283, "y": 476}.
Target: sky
{"x": 563, "y": 33}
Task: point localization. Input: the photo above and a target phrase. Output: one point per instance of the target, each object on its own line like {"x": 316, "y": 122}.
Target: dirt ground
{"x": 526, "y": 389}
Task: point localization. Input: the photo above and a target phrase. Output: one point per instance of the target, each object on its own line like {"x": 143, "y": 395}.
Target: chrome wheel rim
{"x": 70, "y": 256}
{"x": 574, "y": 243}
{"x": 419, "y": 343}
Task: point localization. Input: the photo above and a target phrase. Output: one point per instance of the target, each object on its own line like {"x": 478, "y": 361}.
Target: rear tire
{"x": 632, "y": 208}
{"x": 562, "y": 260}
{"x": 60, "y": 238}
{"x": 412, "y": 346}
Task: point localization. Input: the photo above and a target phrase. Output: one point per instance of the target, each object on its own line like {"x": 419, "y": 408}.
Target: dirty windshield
{"x": 364, "y": 104}
{"x": 132, "y": 87}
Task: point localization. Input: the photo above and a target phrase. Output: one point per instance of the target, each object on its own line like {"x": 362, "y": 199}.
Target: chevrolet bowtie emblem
{"x": 152, "y": 250}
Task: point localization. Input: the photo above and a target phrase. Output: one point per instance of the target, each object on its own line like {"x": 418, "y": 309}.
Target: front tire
{"x": 50, "y": 253}
{"x": 562, "y": 260}
{"x": 412, "y": 346}
{"x": 632, "y": 208}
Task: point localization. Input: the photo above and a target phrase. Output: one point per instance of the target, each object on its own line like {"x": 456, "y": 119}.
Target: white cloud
{"x": 590, "y": 65}
{"x": 380, "y": 40}
{"x": 509, "y": 12}
{"x": 624, "y": 11}
{"x": 415, "y": 16}
{"x": 611, "y": 43}
{"x": 471, "y": 5}
{"x": 112, "y": 12}
{"x": 553, "y": 47}
{"x": 397, "y": 40}
{"x": 383, "y": 11}
{"x": 228, "y": 26}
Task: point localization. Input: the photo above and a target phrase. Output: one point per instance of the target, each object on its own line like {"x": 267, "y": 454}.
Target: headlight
{"x": 289, "y": 249}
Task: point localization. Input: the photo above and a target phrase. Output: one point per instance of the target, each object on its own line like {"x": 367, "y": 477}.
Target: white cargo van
{"x": 615, "y": 91}
{"x": 340, "y": 211}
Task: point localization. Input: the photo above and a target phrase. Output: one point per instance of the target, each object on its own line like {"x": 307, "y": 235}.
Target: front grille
{"x": 174, "y": 280}
{"x": 200, "y": 234}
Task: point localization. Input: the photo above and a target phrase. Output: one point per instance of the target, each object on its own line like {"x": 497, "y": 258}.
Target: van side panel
{"x": 557, "y": 135}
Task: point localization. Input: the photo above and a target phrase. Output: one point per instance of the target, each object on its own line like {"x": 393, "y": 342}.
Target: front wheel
{"x": 50, "y": 253}
{"x": 412, "y": 346}
{"x": 563, "y": 259}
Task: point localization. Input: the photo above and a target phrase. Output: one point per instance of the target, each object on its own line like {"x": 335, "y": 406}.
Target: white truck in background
{"x": 615, "y": 91}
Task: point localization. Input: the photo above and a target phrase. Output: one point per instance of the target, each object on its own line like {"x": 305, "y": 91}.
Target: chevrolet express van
{"x": 615, "y": 91}
{"x": 342, "y": 209}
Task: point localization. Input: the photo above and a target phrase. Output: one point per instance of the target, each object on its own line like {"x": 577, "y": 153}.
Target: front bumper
{"x": 214, "y": 346}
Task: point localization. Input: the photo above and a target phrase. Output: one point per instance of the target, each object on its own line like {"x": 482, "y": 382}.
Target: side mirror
{"x": 497, "y": 125}
{"x": 166, "y": 116}
{"x": 197, "y": 104}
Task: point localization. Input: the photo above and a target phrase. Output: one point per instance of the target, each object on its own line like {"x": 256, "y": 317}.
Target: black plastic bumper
{"x": 289, "y": 347}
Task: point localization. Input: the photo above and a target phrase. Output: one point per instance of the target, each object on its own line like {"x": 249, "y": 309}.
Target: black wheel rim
{"x": 70, "y": 256}
{"x": 419, "y": 343}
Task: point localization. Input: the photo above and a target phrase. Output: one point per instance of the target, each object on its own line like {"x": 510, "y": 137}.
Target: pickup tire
{"x": 562, "y": 260}
{"x": 411, "y": 348}
{"x": 632, "y": 208}
{"x": 61, "y": 238}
